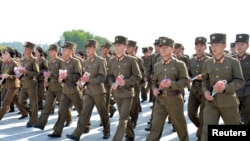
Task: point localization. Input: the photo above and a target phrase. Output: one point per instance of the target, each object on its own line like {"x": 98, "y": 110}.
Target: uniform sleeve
{"x": 44, "y": 67}
{"x": 35, "y": 69}
{"x": 155, "y": 82}
{"x": 183, "y": 77}
{"x": 110, "y": 75}
{"x": 136, "y": 74}
{"x": 205, "y": 78}
{"x": 238, "y": 79}
{"x": 102, "y": 73}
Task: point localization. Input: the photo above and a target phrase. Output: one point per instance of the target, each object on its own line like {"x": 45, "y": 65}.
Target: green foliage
{"x": 80, "y": 37}
{"x": 2, "y": 47}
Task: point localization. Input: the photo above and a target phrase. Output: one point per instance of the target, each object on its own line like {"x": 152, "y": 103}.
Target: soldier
{"x": 216, "y": 91}
{"x": 196, "y": 98}
{"x": 125, "y": 70}
{"x": 233, "y": 50}
{"x": 95, "y": 92}
{"x": 105, "y": 49}
{"x": 54, "y": 87}
{"x": 43, "y": 66}
{"x": 30, "y": 72}
{"x": 71, "y": 93}
{"x": 145, "y": 87}
{"x": 11, "y": 83}
{"x": 242, "y": 44}
{"x": 170, "y": 76}
{"x": 136, "y": 105}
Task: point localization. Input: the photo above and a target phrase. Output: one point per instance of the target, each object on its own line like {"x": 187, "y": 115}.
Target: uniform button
{"x": 118, "y": 66}
{"x": 217, "y": 76}
{"x": 217, "y": 69}
{"x": 165, "y": 69}
{"x": 196, "y": 71}
{"x": 197, "y": 65}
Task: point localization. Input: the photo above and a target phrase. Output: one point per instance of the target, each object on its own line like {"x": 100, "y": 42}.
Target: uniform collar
{"x": 243, "y": 57}
{"x": 120, "y": 58}
{"x": 220, "y": 60}
{"x": 169, "y": 60}
{"x": 91, "y": 59}
{"x": 200, "y": 58}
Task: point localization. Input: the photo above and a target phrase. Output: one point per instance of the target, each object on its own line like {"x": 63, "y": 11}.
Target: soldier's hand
{"x": 23, "y": 71}
{"x": 5, "y": 75}
{"x": 208, "y": 96}
{"x": 199, "y": 77}
{"x": 155, "y": 92}
{"x": 165, "y": 84}
{"x": 121, "y": 82}
{"x": 114, "y": 86}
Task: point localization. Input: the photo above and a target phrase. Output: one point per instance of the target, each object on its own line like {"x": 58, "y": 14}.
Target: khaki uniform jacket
{"x": 97, "y": 67}
{"x": 128, "y": 67}
{"x": 74, "y": 73}
{"x": 154, "y": 58}
{"x": 195, "y": 65}
{"x": 53, "y": 67}
{"x": 43, "y": 66}
{"x": 175, "y": 70}
{"x": 31, "y": 65}
{"x": 245, "y": 66}
{"x": 8, "y": 68}
{"x": 228, "y": 69}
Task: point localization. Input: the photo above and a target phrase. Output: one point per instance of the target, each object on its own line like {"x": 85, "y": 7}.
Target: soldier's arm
{"x": 35, "y": 69}
{"x": 155, "y": 83}
{"x": 141, "y": 66}
{"x": 74, "y": 77}
{"x": 102, "y": 73}
{"x": 44, "y": 67}
{"x": 136, "y": 74}
{"x": 110, "y": 75}
{"x": 238, "y": 79}
{"x": 205, "y": 78}
{"x": 183, "y": 77}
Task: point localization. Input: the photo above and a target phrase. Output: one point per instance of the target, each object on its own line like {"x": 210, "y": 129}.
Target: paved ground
{"x": 12, "y": 129}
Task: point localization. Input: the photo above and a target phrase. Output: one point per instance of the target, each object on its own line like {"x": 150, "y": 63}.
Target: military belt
{"x": 196, "y": 83}
{"x": 170, "y": 93}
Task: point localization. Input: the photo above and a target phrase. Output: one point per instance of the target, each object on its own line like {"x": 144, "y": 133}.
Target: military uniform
{"x": 225, "y": 68}
{"x": 29, "y": 84}
{"x": 12, "y": 85}
{"x": 196, "y": 98}
{"x": 54, "y": 89}
{"x": 244, "y": 92}
{"x": 136, "y": 105}
{"x": 128, "y": 67}
{"x": 145, "y": 88}
{"x": 170, "y": 102}
{"x": 43, "y": 66}
{"x": 71, "y": 93}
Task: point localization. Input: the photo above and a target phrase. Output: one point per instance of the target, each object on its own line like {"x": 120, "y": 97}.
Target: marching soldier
{"x": 71, "y": 93}
{"x": 242, "y": 44}
{"x": 105, "y": 49}
{"x": 43, "y": 66}
{"x": 123, "y": 73}
{"x": 170, "y": 76}
{"x": 12, "y": 84}
{"x": 30, "y": 72}
{"x": 221, "y": 77}
{"x": 196, "y": 98}
{"x": 54, "y": 87}
{"x": 136, "y": 105}
{"x": 95, "y": 92}
{"x": 145, "y": 88}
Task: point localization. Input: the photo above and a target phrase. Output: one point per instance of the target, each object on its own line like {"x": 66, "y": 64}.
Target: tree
{"x": 80, "y": 37}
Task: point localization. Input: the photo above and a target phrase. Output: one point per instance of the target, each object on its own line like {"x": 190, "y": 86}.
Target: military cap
{"x": 156, "y": 42}
{"x": 106, "y": 45}
{"x": 39, "y": 49}
{"x": 151, "y": 48}
{"x": 53, "y": 47}
{"x": 166, "y": 41}
{"x": 10, "y": 50}
{"x": 145, "y": 49}
{"x": 121, "y": 40}
{"x": 177, "y": 45}
{"x": 232, "y": 45}
{"x": 91, "y": 43}
{"x": 69, "y": 45}
{"x": 132, "y": 43}
{"x": 201, "y": 40}
{"x": 29, "y": 45}
{"x": 242, "y": 38}
{"x": 218, "y": 38}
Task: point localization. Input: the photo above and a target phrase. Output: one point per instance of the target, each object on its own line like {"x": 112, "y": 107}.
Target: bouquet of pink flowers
{"x": 17, "y": 71}
{"x": 81, "y": 83}
{"x": 119, "y": 78}
{"x": 46, "y": 75}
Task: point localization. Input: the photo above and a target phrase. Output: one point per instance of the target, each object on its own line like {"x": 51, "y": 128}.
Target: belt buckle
{"x": 165, "y": 93}
{"x": 196, "y": 84}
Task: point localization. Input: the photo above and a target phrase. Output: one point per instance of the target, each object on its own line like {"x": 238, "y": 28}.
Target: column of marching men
{"x": 74, "y": 81}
